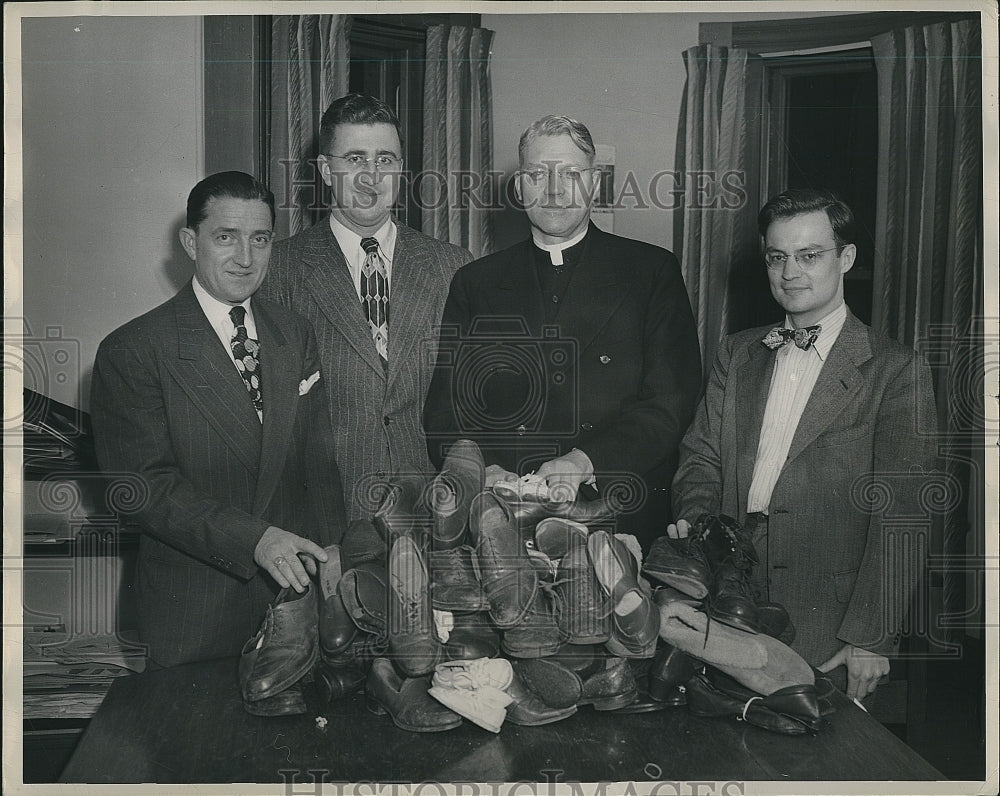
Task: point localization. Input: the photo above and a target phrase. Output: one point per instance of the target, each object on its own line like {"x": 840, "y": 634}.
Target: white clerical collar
{"x": 830, "y": 324}
{"x": 556, "y": 250}
{"x": 350, "y": 241}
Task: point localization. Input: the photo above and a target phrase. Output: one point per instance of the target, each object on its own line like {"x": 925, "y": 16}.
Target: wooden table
{"x": 188, "y": 725}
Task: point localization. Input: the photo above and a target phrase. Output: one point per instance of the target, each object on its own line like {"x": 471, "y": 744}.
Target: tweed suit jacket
{"x": 169, "y": 406}
{"x": 830, "y": 556}
{"x": 616, "y": 375}
{"x": 376, "y": 411}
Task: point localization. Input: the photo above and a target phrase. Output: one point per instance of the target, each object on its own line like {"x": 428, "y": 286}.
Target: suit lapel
{"x": 839, "y": 380}
{"x": 281, "y": 372}
{"x": 205, "y": 371}
{"x": 752, "y": 368}
{"x": 596, "y": 290}
{"x": 333, "y": 291}
{"x": 518, "y": 294}
{"x": 409, "y": 305}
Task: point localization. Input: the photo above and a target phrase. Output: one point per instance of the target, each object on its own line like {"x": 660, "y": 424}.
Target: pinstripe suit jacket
{"x": 833, "y": 558}
{"x": 169, "y": 406}
{"x": 376, "y": 412}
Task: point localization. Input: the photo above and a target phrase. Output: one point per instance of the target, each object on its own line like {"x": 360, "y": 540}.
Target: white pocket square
{"x": 306, "y": 384}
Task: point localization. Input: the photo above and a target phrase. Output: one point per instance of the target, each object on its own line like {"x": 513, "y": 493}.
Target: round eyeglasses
{"x": 806, "y": 259}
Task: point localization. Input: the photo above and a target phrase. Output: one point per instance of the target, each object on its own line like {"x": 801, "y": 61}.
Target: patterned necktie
{"x": 803, "y": 337}
{"x": 375, "y": 295}
{"x": 246, "y": 352}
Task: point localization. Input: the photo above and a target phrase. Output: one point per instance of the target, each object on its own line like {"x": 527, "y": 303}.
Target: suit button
{"x": 521, "y": 431}
{"x": 779, "y": 511}
{"x": 387, "y": 420}
{"x": 587, "y": 426}
{"x": 380, "y": 474}
{"x": 605, "y": 359}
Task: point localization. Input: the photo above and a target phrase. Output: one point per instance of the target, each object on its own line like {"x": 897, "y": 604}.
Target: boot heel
{"x": 374, "y": 706}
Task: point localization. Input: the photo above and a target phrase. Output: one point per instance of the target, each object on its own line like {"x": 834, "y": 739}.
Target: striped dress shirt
{"x": 795, "y": 374}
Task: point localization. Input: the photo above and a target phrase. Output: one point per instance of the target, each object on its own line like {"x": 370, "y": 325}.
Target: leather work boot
{"x": 635, "y": 621}
{"x": 585, "y": 608}
{"x": 406, "y": 700}
{"x": 669, "y": 673}
{"x": 402, "y": 512}
{"x": 412, "y": 643}
{"x": 557, "y": 686}
{"x": 336, "y": 682}
{"x": 508, "y": 577}
{"x": 538, "y": 633}
{"x": 455, "y": 583}
{"x": 472, "y": 637}
{"x": 284, "y": 649}
{"x": 289, "y": 702}
{"x": 462, "y": 477}
{"x": 554, "y": 535}
{"x": 528, "y": 710}
{"x": 364, "y": 590}
{"x": 732, "y": 555}
{"x": 337, "y": 631}
{"x": 681, "y": 563}
{"x": 611, "y": 687}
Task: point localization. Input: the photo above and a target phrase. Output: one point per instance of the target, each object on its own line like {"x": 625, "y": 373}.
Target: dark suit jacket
{"x": 856, "y": 458}
{"x": 376, "y": 413}
{"x": 169, "y": 406}
{"x": 617, "y": 375}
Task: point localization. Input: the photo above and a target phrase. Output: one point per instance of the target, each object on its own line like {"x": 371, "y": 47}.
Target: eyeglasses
{"x": 806, "y": 259}
{"x": 356, "y": 162}
{"x": 570, "y": 175}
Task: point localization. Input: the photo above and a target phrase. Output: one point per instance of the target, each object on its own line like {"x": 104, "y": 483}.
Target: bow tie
{"x": 803, "y": 338}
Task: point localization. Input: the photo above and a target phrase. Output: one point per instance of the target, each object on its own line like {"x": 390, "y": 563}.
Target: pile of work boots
{"x": 734, "y": 648}
{"x": 419, "y": 603}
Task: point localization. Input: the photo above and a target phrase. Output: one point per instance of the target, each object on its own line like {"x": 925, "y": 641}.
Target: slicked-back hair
{"x": 355, "y": 109}
{"x": 796, "y": 201}
{"x": 232, "y": 184}
{"x": 558, "y": 125}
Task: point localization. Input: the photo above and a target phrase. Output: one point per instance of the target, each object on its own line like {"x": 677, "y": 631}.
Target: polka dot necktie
{"x": 246, "y": 352}
{"x": 375, "y": 296}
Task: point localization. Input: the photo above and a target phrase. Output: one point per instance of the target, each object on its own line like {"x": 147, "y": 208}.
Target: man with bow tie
{"x": 215, "y": 400}
{"x": 573, "y": 354}
{"x": 795, "y": 422}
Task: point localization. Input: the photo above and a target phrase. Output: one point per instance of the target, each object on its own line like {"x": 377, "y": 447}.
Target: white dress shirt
{"x": 795, "y": 374}
{"x": 350, "y": 244}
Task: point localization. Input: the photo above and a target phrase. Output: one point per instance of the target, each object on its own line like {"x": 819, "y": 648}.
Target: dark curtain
{"x": 310, "y": 58}
{"x": 458, "y": 137}
{"x": 929, "y": 259}
{"x": 714, "y": 138}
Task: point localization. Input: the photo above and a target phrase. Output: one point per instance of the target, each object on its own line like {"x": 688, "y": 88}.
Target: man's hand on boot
{"x": 864, "y": 669}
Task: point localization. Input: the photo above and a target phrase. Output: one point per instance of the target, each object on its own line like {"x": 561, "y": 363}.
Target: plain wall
{"x": 620, "y": 74}
{"x": 112, "y": 116}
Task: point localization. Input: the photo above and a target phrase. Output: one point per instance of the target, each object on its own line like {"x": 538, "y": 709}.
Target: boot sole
{"x": 687, "y": 585}
{"x": 612, "y": 703}
{"x": 376, "y": 707}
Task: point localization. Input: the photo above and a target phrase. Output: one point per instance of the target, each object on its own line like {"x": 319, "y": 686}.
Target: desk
{"x": 188, "y": 725}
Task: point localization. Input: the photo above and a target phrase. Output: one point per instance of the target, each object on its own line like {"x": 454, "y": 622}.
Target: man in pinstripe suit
{"x": 214, "y": 399}
{"x": 373, "y": 291}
